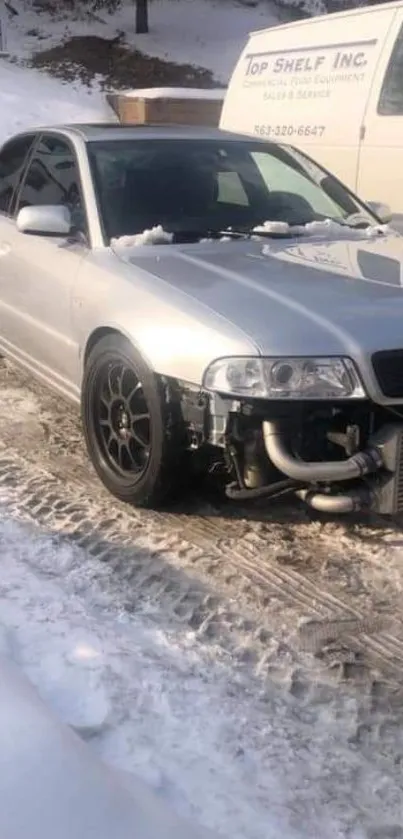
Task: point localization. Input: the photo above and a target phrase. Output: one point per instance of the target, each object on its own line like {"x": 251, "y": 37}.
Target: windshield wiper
{"x": 236, "y": 234}
{"x": 183, "y": 236}
{"x": 260, "y": 230}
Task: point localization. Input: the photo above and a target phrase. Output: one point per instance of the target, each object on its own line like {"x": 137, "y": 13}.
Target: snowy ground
{"x": 148, "y": 700}
{"x": 210, "y": 33}
{"x": 29, "y": 98}
{"x": 168, "y": 640}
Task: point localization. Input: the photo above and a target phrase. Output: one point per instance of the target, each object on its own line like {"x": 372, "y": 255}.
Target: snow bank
{"x": 52, "y": 785}
{"x": 172, "y": 717}
{"x": 29, "y": 98}
{"x": 156, "y": 236}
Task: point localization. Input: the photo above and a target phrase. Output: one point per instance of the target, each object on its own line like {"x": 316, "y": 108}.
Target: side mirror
{"x": 47, "y": 220}
{"x": 381, "y": 210}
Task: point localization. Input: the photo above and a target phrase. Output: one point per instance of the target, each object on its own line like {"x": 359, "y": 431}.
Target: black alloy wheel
{"x": 127, "y": 426}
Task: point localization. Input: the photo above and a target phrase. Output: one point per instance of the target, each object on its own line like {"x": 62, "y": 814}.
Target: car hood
{"x": 292, "y": 296}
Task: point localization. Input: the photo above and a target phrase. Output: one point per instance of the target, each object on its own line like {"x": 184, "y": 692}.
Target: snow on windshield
{"x": 156, "y": 236}
{"x": 327, "y": 227}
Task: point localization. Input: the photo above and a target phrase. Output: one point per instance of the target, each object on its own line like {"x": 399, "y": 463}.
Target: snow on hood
{"x": 156, "y": 236}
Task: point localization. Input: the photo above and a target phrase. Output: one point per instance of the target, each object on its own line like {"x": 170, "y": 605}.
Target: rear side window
{"x": 13, "y": 157}
{"x": 391, "y": 97}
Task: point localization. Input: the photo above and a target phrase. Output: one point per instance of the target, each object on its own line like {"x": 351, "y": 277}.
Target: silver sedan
{"x": 214, "y": 303}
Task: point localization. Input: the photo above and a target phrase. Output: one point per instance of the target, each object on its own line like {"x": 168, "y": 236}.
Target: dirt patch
{"x": 116, "y": 65}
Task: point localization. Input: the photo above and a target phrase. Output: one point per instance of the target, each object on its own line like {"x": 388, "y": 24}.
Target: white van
{"x": 332, "y": 86}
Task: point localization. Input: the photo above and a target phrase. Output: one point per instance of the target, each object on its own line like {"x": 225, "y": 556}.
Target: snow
{"x": 154, "y": 702}
{"x": 210, "y": 34}
{"x": 273, "y": 227}
{"x": 175, "y": 93}
{"x": 327, "y": 228}
{"x": 148, "y": 698}
{"x": 30, "y": 99}
{"x": 156, "y": 236}
{"x": 144, "y": 698}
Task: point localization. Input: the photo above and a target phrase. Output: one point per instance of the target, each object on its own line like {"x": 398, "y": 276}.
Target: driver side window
{"x": 53, "y": 178}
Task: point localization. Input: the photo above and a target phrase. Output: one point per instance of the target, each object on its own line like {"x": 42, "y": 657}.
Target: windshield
{"x": 196, "y": 187}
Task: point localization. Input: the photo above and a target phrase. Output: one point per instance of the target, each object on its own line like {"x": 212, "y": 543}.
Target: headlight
{"x": 285, "y": 378}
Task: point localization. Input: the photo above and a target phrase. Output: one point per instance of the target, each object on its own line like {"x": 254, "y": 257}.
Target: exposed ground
{"x": 189, "y": 43}
{"x": 116, "y": 65}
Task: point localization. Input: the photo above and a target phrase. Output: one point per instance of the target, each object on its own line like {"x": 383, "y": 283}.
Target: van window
{"x": 391, "y": 96}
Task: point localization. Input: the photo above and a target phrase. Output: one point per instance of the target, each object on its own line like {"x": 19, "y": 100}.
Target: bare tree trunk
{"x": 141, "y": 17}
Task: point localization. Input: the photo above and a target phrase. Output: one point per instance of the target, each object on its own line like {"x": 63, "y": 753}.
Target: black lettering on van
{"x": 298, "y": 65}
{"x": 360, "y": 60}
{"x": 347, "y": 60}
{"x": 255, "y": 68}
{"x": 318, "y": 61}
{"x": 288, "y": 65}
{"x": 278, "y": 65}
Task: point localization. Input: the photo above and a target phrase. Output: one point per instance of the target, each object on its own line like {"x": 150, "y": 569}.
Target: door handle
{"x": 5, "y": 248}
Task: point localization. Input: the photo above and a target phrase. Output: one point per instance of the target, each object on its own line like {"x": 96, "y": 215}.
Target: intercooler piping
{"x": 348, "y": 502}
{"x": 360, "y": 464}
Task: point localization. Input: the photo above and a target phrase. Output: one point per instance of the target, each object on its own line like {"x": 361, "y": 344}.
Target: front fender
{"x": 173, "y": 333}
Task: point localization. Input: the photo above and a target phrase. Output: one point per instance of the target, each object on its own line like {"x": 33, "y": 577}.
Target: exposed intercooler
{"x": 377, "y": 473}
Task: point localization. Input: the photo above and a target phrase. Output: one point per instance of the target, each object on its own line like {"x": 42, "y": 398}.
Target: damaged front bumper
{"x": 376, "y": 474}
{"x": 338, "y": 457}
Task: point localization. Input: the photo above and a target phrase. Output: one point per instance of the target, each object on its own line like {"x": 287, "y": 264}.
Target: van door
{"x": 380, "y": 163}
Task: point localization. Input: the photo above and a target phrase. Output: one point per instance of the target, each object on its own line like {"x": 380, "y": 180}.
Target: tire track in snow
{"x": 235, "y": 581}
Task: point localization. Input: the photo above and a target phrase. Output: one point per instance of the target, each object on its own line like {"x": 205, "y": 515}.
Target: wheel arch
{"x": 101, "y": 332}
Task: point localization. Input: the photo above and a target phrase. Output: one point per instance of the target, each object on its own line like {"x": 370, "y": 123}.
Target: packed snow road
{"x": 173, "y": 641}
{"x": 250, "y": 577}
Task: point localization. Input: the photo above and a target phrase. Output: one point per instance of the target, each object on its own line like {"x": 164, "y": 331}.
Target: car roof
{"x": 90, "y": 132}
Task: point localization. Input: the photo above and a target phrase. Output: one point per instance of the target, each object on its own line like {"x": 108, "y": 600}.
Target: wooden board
{"x": 166, "y": 110}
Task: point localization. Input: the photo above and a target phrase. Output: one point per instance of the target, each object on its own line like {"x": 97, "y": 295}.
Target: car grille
{"x": 388, "y": 367}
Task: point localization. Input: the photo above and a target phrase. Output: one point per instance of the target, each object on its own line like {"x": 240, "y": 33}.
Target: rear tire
{"x": 133, "y": 432}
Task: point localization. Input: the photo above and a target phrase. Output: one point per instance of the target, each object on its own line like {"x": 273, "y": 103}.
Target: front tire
{"x": 132, "y": 430}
